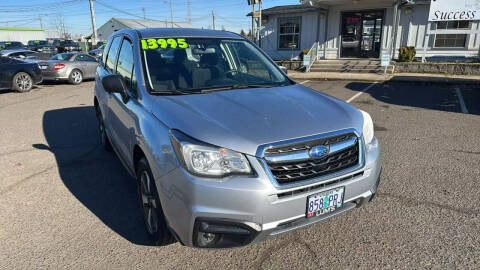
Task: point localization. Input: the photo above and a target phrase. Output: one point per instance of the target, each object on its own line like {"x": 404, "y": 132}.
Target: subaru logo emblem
{"x": 318, "y": 151}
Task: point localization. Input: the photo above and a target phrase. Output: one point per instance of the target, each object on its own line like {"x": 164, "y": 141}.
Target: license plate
{"x": 325, "y": 202}
{"x": 43, "y": 67}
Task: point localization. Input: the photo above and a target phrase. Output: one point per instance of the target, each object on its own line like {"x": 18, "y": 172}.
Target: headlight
{"x": 367, "y": 127}
{"x": 208, "y": 160}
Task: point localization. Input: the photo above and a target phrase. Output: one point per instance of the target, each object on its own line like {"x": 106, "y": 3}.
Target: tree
{"x": 243, "y": 33}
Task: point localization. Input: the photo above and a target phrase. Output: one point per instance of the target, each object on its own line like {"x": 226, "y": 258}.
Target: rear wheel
{"x": 22, "y": 82}
{"x": 101, "y": 128}
{"x": 76, "y": 77}
{"x": 155, "y": 223}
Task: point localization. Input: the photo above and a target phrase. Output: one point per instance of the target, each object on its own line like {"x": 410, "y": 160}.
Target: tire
{"x": 101, "y": 128}
{"x": 75, "y": 77}
{"x": 148, "y": 199}
{"x": 22, "y": 82}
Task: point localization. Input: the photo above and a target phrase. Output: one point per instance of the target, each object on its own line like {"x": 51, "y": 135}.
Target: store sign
{"x": 454, "y": 10}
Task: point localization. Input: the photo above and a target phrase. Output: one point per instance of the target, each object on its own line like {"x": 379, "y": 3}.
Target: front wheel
{"x": 155, "y": 223}
{"x": 22, "y": 82}
{"x": 76, "y": 77}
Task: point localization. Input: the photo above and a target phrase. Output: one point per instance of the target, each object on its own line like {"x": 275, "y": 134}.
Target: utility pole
{"x": 144, "y": 17}
{"x": 40, "y": 19}
{"x": 259, "y": 23}
{"x": 253, "y": 23}
{"x": 213, "y": 19}
{"x": 171, "y": 12}
{"x": 189, "y": 14}
{"x": 92, "y": 14}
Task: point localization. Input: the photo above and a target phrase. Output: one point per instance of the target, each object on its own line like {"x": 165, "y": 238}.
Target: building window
{"x": 451, "y": 40}
{"x": 289, "y": 33}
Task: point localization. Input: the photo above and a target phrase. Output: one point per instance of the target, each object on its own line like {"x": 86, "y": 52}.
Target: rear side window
{"x": 125, "y": 65}
{"x": 112, "y": 55}
{"x": 85, "y": 58}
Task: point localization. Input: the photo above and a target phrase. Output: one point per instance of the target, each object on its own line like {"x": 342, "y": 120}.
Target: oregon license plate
{"x": 325, "y": 202}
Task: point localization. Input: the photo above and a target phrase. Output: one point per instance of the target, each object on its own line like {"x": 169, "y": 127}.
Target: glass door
{"x": 361, "y": 34}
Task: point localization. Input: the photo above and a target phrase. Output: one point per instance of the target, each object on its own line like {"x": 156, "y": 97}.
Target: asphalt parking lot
{"x": 66, "y": 203}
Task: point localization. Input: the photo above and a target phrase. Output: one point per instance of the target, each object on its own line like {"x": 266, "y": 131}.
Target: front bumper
{"x": 255, "y": 202}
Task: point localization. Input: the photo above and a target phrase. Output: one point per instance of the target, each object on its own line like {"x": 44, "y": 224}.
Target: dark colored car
{"x": 41, "y": 46}
{"x": 19, "y": 75}
{"x": 11, "y": 45}
{"x": 97, "y": 53}
{"x": 66, "y": 46}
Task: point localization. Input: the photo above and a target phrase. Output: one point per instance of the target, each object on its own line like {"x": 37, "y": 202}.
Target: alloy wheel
{"x": 148, "y": 203}
{"x": 77, "y": 76}
{"x": 24, "y": 82}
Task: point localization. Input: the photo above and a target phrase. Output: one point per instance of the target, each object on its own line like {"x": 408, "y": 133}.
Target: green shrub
{"x": 407, "y": 54}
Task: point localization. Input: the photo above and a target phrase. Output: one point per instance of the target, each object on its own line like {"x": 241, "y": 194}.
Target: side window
{"x": 125, "y": 64}
{"x": 80, "y": 57}
{"x": 85, "y": 58}
{"x": 112, "y": 55}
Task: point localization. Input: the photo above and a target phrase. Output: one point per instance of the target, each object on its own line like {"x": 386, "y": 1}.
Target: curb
{"x": 404, "y": 78}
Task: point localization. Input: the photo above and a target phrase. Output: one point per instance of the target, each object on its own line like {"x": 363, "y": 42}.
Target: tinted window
{"x": 62, "y": 56}
{"x": 112, "y": 55}
{"x": 85, "y": 58}
{"x": 125, "y": 63}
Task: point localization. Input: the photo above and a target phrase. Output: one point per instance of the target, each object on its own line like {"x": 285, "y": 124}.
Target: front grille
{"x": 309, "y": 144}
{"x": 290, "y": 172}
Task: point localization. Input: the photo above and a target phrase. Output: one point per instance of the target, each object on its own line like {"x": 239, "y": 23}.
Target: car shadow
{"x": 95, "y": 177}
{"x": 425, "y": 95}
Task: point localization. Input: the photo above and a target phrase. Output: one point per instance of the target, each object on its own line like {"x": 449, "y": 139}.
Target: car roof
{"x": 181, "y": 32}
{"x": 15, "y": 51}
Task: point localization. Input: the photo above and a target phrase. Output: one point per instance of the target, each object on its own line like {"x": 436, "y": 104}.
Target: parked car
{"x": 74, "y": 67}
{"x": 66, "y": 46}
{"x": 11, "y": 45}
{"x": 41, "y": 46}
{"x": 226, "y": 149}
{"x": 18, "y": 75}
{"x": 20, "y": 54}
{"x": 97, "y": 53}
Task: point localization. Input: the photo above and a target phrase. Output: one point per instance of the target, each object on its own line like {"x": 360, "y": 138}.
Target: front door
{"x": 361, "y": 34}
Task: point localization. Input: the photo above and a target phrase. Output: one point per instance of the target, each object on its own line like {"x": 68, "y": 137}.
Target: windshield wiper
{"x": 238, "y": 86}
{"x": 173, "y": 92}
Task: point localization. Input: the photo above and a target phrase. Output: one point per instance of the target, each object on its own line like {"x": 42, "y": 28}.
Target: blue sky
{"x": 76, "y": 13}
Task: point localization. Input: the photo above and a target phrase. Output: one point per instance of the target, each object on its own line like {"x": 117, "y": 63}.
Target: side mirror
{"x": 114, "y": 84}
{"x": 284, "y": 69}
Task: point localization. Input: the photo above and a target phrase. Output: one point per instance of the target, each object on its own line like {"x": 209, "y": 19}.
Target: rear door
{"x": 123, "y": 112}
{"x": 88, "y": 64}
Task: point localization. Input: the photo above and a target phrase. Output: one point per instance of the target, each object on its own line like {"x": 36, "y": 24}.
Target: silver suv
{"x": 226, "y": 149}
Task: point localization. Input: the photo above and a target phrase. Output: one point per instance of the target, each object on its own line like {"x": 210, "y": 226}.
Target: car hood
{"x": 242, "y": 120}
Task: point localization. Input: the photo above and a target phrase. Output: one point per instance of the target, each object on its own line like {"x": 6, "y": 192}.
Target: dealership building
{"x": 338, "y": 29}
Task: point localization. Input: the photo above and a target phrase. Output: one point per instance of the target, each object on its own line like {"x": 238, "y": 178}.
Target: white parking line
{"x": 304, "y": 81}
{"x": 460, "y": 99}
{"x": 359, "y": 93}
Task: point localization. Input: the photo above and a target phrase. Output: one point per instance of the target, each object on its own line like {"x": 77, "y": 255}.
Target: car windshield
{"x": 40, "y": 42}
{"x": 195, "y": 65}
{"x": 13, "y": 44}
{"x": 70, "y": 43}
{"x": 62, "y": 56}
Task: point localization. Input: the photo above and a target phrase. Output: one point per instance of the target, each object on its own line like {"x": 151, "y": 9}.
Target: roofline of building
{"x": 20, "y": 29}
{"x": 305, "y": 8}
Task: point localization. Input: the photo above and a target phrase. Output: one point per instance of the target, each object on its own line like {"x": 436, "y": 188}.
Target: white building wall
{"x": 23, "y": 36}
{"x": 411, "y": 32}
{"x": 415, "y": 29}
{"x": 308, "y": 35}
{"x": 106, "y": 30}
